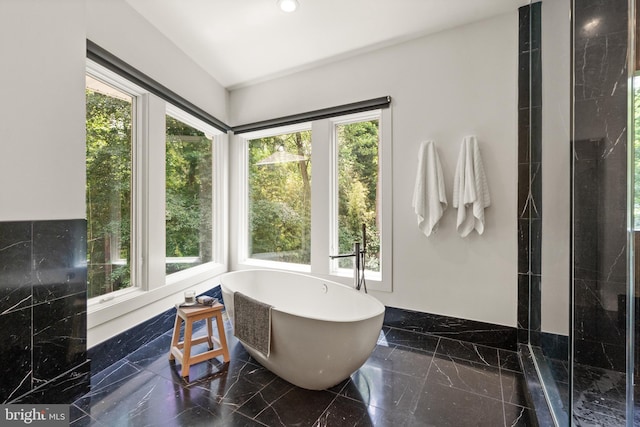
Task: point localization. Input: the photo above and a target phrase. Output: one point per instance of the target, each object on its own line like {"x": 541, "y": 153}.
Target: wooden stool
{"x": 190, "y": 315}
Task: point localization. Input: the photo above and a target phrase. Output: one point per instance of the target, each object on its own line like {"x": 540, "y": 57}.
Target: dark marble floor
{"x": 599, "y": 395}
{"x": 411, "y": 379}
{"x": 599, "y": 398}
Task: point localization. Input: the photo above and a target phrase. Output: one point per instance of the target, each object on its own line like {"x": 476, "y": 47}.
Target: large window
{"x": 279, "y": 190}
{"x": 109, "y": 149}
{"x": 287, "y": 223}
{"x": 189, "y": 196}
{"x": 358, "y": 194}
{"x": 154, "y": 193}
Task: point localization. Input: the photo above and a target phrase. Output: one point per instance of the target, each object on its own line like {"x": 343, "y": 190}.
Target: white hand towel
{"x": 429, "y": 198}
{"x": 470, "y": 189}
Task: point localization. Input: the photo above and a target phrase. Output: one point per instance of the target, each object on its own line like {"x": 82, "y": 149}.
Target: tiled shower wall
{"x": 600, "y": 182}
{"x": 43, "y": 304}
{"x": 529, "y": 173}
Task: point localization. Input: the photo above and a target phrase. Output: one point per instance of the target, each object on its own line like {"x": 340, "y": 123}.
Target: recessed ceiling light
{"x": 288, "y": 5}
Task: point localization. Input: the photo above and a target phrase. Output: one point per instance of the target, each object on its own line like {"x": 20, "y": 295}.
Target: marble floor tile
{"x": 410, "y": 379}
{"x": 384, "y": 389}
{"x": 469, "y": 351}
{"x": 344, "y": 412}
{"x": 466, "y": 376}
{"x": 513, "y": 387}
{"x": 297, "y": 407}
{"x": 442, "y": 406}
{"x": 411, "y": 339}
{"x": 509, "y": 360}
{"x": 518, "y": 416}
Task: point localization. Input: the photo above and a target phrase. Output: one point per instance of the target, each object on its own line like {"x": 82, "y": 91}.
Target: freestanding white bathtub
{"x": 321, "y": 331}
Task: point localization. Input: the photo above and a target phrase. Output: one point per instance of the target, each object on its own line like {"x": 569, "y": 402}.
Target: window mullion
{"x": 153, "y": 215}
{"x": 321, "y": 198}
{"x": 220, "y": 198}
{"x": 139, "y": 250}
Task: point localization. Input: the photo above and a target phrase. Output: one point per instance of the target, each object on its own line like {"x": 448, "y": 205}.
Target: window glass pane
{"x": 280, "y": 198}
{"x": 189, "y": 196}
{"x": 358, "y": 190}
{"x": 108, "y": 192}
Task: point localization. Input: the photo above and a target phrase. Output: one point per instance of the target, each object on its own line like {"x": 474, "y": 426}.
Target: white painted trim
{"x": 140, "y": 200}
{"x": 192, "y": 121}
{"x": 320, "y": 196}
{"x": 107, "y": 76}
{"x": 274, "y": 265}
{"x": 386, "y": 237}
{"x": 221, "y": 199}
{"x": 298, "y": 127}
{"x": 155, "y": 240}
{"x": 241, "y": 226}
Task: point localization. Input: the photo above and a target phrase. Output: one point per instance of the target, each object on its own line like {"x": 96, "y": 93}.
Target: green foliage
{"x": 358, "y": 190}
{"x": 280, "y": 195}
{"x": 280, "y": 199}
{"x": 108, "y": 193}
{"x": 188, "y": 194}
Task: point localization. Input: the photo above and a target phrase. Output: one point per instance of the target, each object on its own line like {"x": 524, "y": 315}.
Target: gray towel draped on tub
{"x": 252, "y": 322}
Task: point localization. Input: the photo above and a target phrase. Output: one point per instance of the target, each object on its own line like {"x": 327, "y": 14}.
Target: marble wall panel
{"x": 488, "y": 334}
{"x": 43, "y": 311}
{"x": 15, "y": 266}
{"x": 529, "y": 171}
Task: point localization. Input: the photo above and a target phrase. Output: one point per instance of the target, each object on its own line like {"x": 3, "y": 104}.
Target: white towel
{"x": 470, "y": 190}
{"x": 429, "y": 198}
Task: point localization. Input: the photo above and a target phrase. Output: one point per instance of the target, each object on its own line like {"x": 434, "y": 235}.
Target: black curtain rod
{"x": 356, "y": 107}
{"x": 115, "y": 64}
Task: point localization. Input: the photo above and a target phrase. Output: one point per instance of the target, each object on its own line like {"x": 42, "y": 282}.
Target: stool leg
{"x": 209, "y": 333}
{"x": 176, "y": 336}
{"x": 222, "y": 336}
{"x": 188, "y": 326}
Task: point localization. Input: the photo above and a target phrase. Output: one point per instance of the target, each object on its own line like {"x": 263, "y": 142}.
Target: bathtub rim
{"x": 381, "y": 307}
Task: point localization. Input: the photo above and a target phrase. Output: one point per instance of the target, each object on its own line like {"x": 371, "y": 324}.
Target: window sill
{"x": 274, "y": 265}
{"x": 116, "y": 315}
{"x": 373, "y": 283}
{"x": 348, "y": 273}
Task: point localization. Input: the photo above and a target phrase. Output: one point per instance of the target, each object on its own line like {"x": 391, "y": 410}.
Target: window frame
{"x": 323, "y": 191}
{"x": 334, "y": 206}
{"x": 244, "y": 230}
{"x": 138, "y": 106}
{"x": 148, "y": 255}
{"x": 210, "y": 133}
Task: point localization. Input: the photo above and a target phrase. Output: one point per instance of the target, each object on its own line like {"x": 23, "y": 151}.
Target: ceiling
{"x": 240, "y": 42}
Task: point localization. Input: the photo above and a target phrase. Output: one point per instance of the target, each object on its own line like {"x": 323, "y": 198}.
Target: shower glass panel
{"x": 549, "y": 163}
{"x": 581, "y": 121}
{"x": 602, "y": 215}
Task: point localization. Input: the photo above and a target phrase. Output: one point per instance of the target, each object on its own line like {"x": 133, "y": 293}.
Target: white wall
{"x": 42, "y": 130}
{"x": 444, "y": 86}
{"x": 118, "y": 28}
{"x": 556, "y": 157}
